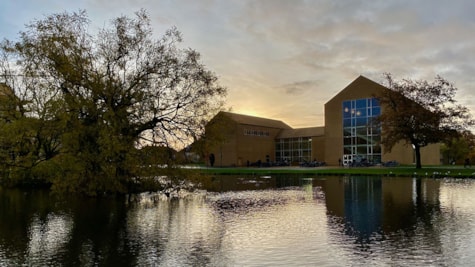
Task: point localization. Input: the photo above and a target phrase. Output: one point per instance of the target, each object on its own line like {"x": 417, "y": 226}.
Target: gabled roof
{"x": 362, "y": 80}
{"x": 302, "y": 132}
{"x": 360, "y": 83}
{"x": 256, "y": 121}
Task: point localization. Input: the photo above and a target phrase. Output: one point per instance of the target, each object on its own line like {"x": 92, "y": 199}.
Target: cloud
{"x": 298, "y": 88}
{"x": 287, "y": 58}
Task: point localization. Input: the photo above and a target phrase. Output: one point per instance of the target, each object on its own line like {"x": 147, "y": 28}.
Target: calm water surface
{"x": 249, "y": 221}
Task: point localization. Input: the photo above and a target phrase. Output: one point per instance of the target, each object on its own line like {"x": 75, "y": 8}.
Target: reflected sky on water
{"x": 249, "y": 221}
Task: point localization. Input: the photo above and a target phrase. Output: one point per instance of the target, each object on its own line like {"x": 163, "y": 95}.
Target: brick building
{"x": 348, "y": 135}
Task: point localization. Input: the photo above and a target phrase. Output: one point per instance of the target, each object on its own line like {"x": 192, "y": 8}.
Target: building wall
{"x": 404, "y": 154}
{"x": 318, "y": 148}
{"x": 224, "y": 150}
{"x": 240, "y": 147}
{"x": 365, "y": 88}
{"x": 360, "y": 88}
{"x": 401, "y": 153}
{"x": 257, "y": 146}
{"x": 430, "y": 155}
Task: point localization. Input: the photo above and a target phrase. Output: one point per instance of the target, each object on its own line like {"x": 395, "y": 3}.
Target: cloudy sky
{"x": 285, "y": 59}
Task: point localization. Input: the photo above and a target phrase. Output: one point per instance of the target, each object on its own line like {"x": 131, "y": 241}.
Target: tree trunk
{"x": 417, "y": 150}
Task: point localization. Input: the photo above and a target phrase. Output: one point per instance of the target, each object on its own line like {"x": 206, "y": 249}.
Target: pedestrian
{"x": 211, "y": 159}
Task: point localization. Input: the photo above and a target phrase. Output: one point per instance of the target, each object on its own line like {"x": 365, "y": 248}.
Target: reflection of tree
{"x": 146, "y": 231}
{"x": 412, "y": 209}
{"x": 37, "y": 229}
{"x": 16, "y": 211}
{"x": 408, "y": 202}
{"x": 98, "y": 236}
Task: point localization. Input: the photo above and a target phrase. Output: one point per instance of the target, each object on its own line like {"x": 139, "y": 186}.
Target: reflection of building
{"x": 348, "y": 135}
{"x": 371, "y": 205}
{"x": 358, "y": 201}
{"x": 363, "y": 205}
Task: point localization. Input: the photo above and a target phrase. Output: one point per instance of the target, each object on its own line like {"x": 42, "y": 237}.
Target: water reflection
{"x": 183, "y": 227}
{"x": 48, "y": 236}
{"x": 375, "y": 205}
{"x": 249, "y": 221}
{"x": 390, "y": 220}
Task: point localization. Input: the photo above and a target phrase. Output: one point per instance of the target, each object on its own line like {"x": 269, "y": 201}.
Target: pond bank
{"x": 402, "y": 171}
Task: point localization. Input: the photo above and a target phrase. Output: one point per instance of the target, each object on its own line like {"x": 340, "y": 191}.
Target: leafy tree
{"x": 458, "y": 148}
{"x": 98, "y": 98}
{"x": 22, "y": 145}
{"x": 421, "y": 113}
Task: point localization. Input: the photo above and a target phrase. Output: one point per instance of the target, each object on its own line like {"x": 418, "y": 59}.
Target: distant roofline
{"x": 302, "y": 132}
{"x": 256, "y": 121}
{"x": 288, "y": 130}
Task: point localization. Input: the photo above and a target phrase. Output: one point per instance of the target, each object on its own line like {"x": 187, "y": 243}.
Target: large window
{"x": 361, "y": 138}
{"x": 293, "y": 149}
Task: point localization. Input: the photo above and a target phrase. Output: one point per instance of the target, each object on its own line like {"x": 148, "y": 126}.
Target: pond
{"x": 249, "y": 221}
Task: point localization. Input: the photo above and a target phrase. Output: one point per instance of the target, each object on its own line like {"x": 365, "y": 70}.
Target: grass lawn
{"x": 402, "y": 171}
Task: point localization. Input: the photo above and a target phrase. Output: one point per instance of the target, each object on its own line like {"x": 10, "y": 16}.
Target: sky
{"x": 285, "y": 59}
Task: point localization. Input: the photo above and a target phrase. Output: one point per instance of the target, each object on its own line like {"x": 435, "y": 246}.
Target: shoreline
{"x": 456, "y": 171}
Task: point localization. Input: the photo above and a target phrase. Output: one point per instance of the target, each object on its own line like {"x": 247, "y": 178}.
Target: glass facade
{"x": 297, "y": 149}
{"x": 361, "y": 138}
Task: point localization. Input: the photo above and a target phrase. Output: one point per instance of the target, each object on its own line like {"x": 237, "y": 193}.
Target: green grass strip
{"x": 402, "y": 171}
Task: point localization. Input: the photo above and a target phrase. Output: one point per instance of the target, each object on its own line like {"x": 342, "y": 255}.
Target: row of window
{"x": 255, "y": 132}
{"x": 361, "y": 103}
{"x": 362, "y": 112}
{"x": 293, "y": 149}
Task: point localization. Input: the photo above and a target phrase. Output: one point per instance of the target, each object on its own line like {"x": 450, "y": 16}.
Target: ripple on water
{"x": 345, "y": 222}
